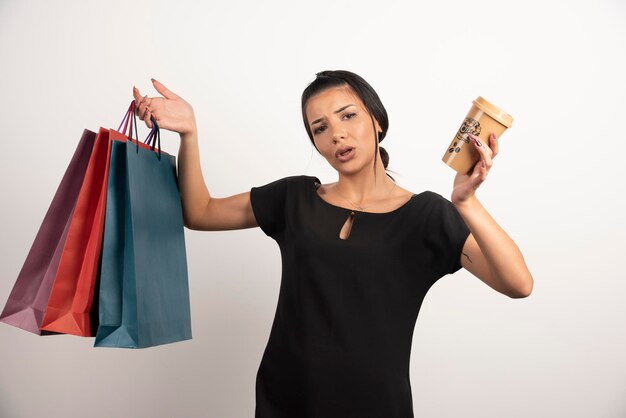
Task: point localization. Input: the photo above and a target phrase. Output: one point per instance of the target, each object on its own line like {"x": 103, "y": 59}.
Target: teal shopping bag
{"x": 143, "y": 288}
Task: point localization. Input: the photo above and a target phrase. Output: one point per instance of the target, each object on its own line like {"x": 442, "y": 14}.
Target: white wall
{"x": 557, "y": 187}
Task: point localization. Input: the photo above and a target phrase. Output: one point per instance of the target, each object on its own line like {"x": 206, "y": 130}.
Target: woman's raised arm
{"x": 200, "y": 210}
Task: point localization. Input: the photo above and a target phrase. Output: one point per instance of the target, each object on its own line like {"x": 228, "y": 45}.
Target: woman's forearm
{"x": 505, "y": 260}
{"x": 194, "y": 193}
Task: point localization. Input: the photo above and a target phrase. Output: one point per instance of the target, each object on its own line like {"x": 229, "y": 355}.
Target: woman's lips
{"x": 346, "y": 156}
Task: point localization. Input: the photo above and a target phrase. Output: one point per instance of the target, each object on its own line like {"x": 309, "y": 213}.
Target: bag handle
{"x": 126, "y": 120}
{"x": 154, "y": 136}
{"x": 153, "y": 132}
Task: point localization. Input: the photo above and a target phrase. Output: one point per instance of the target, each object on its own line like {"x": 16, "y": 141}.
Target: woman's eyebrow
{"x": 336, "y": 111}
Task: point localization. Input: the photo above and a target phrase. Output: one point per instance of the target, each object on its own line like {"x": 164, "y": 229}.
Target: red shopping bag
{"x": 69, "y": 309}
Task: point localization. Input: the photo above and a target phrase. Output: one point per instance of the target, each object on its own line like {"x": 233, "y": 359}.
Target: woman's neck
{"x": 364, "y": 187}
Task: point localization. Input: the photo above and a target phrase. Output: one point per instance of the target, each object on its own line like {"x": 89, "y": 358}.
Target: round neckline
{"x": 316, "y": 180}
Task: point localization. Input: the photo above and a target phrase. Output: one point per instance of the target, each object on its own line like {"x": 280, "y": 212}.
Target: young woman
{"x": 358, "y": 255}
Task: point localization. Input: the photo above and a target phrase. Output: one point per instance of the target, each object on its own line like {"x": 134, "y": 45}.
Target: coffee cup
{"x": 482, "y": 119}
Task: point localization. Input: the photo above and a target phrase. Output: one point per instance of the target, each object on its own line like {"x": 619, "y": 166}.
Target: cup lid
{"x": 494, "y": 111}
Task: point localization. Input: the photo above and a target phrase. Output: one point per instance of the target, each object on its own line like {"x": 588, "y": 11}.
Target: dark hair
{"x": 339, "y": 78}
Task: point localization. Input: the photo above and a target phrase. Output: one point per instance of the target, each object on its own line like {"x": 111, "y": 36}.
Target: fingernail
{"x": 153, "y": 80}
{"x": 478, "y": 142}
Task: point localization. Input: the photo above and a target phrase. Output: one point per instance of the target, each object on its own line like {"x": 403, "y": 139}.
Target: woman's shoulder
{"x": 434, "y": 200}
{"x": 292, "y": 179}
{"x": 299, "y": 178}
{"x": 426, "y": 202}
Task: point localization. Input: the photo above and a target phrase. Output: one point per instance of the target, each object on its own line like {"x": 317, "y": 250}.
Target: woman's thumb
{"x": 163, "y": 90}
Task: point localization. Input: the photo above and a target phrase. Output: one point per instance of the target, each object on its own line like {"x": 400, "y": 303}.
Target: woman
{"x": 358, "y": 254}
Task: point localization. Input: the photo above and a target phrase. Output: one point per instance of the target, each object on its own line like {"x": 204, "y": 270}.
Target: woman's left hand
{"x": 465, "y": 185}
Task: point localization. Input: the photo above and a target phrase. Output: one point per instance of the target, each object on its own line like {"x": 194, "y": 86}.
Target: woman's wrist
{"x": 190, "y": 133}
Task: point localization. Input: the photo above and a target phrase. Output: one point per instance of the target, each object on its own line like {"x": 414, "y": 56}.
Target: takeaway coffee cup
{"x": 482, "y": 119}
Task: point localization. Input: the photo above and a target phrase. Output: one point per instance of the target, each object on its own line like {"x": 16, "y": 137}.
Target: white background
{"x": 557, "y": 188}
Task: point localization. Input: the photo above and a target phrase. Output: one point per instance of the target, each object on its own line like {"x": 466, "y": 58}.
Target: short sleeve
{"x": 447, "y": 233}
{"x": 268, "y": 204}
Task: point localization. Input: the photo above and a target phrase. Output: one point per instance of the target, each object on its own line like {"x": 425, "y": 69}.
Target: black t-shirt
{"x": 341, "y": 338}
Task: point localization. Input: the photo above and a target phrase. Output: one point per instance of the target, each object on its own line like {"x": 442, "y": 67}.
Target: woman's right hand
{"x": 171, "y": 112}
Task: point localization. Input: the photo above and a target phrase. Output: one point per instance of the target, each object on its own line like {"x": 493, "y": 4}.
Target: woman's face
{"x": 338, "y": 119}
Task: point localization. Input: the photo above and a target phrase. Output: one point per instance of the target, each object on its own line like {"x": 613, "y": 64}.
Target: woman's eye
{"x": 318, "y": 130}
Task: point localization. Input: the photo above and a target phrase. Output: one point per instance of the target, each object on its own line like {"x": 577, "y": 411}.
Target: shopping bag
{"x": 28, "y": 299}
{"x": 71, "y": 296}
{"x": 70, "y": 304}
{"x": 111, "y": 262}
{"x": 144, "y": 290}
{"x": 70, "y": 308}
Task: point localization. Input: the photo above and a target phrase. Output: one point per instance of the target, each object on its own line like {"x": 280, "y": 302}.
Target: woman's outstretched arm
{"x": 489, "y": 253}
{"x": 201, "y": 211}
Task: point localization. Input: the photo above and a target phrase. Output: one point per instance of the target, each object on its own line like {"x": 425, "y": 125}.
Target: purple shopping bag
{"x": 29, "y": 297}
